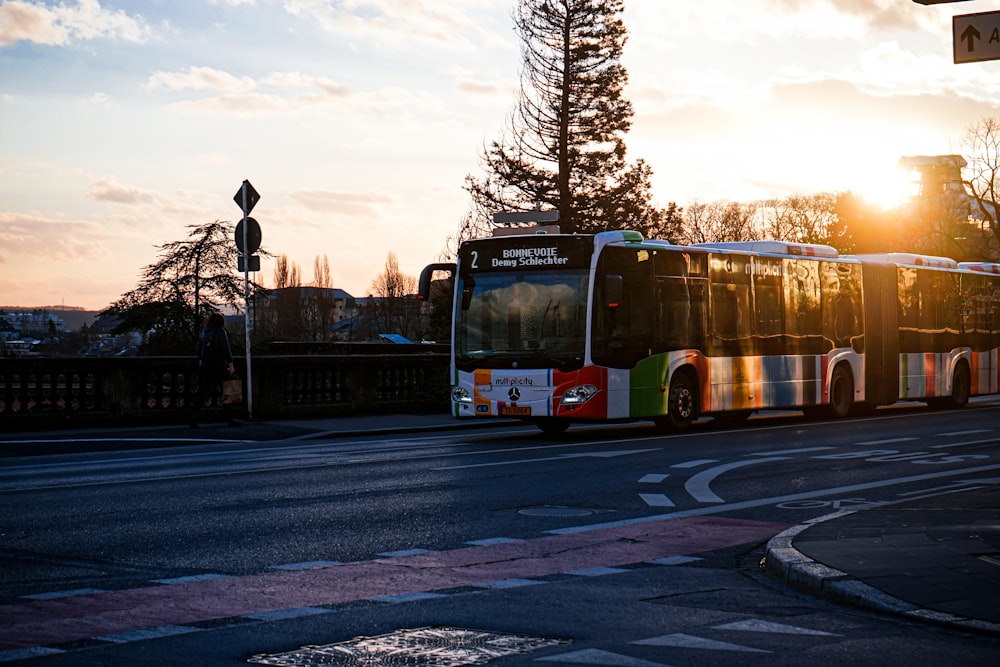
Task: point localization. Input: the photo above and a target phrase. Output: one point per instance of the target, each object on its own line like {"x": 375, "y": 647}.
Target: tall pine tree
{"x": 564, "y": 146}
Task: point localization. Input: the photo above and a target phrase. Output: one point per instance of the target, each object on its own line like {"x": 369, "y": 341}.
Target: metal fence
{"x": 39, "y": 392}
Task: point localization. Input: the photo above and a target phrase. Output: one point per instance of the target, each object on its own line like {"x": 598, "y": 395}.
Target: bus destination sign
{"x": 531, "y": 253}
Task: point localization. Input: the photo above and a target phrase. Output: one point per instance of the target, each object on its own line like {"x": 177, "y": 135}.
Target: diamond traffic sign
{"x": 976, "y": 37}
{"x": 251, "y": 197}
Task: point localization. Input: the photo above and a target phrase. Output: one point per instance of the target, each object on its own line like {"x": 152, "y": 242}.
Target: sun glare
{"x": 887, "y": 191}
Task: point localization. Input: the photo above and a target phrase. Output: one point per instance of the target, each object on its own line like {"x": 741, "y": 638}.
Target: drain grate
{"x": 430, "y": 647}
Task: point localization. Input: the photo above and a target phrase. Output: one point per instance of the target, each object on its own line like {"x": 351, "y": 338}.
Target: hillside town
{"x": 300, "y": 313}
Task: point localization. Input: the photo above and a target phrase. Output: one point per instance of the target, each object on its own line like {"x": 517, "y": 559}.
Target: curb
{"x": 799, "y": 571}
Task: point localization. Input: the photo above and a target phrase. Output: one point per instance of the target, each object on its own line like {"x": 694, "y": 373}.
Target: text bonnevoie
{"x": 512, "y": 257}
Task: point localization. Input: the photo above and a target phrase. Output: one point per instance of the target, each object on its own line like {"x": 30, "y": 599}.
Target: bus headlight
{"x": 460, "y": 395}
{"x": 579, "y": 394}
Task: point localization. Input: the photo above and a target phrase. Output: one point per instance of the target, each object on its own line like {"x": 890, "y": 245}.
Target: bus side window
{"x": 909, "y": 309}
{"x": 841, "y": 303}
{"x": 803, "y": 321}
{"x": 730, "y": 305}
{"x": 623, "y": 333}
{"x": 769, "y": 322}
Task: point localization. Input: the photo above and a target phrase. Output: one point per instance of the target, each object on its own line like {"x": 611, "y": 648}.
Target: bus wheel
{"x": 961, "y": 386}
{"x": 682, "y": 402}
{"x": 841, "y": 392}
{"x": 552, "y": 426}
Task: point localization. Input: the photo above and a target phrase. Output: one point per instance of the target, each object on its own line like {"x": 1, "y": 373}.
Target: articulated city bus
{"x": 555, "y": 329}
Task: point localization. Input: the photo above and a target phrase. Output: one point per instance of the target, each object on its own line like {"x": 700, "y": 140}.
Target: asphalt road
{"x": 617, "y": 544}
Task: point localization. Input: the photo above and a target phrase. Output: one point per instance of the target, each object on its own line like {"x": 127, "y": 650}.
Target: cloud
{"x": 357, "y": 204}
{"x": 233, "y": 104}
{"x": 31, "y": 235}
{"x": 201, "y": 78}
{"x": 876, "y": 14}
{"x": 107, "y": 190}
{"x": 393, "y": 23}
{"x": 63, "y": 24}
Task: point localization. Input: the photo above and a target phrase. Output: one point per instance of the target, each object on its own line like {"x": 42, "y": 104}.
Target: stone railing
{"x": 37, "y": 392}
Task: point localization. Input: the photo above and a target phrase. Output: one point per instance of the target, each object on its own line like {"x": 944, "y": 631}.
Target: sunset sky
{"x": 122, "y": 122}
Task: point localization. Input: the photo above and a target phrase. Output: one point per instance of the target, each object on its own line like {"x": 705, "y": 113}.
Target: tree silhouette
{"x": 191, "y": 279}
{"x": 564, "y": 146}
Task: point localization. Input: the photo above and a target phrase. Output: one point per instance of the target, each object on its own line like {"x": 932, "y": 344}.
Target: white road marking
{"x": 697, "y": 485}
{"x": 656, "y": 500}
{"x": 965, "y": 444}
{"x": 887, "y": 441}
{"x": 835, "y": 492}
{"x": 310, "y": 565}
{"x": 759, "y": 625}
{"x": 561, "y": 457}
{"x": 950, "y": 434}
{"x": 151, "y": 633}
{"x": 286, "y": 614}
{"x": 652, "y": 479}
{"x": 490, "y": 541}
{"x": 681, "y": 640}
{"x": 508, "y": 583}
{"x": 694, "y": 464}
{"x": 595, "y": 656}
{"x": 674, "y": 560}
{"x": 404, "y": 553}
{"x": 801, "y": 450}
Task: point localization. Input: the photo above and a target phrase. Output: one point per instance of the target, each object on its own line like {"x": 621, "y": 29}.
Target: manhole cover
{"x": 555, "y": 510}
{"x": 433, "y": 647}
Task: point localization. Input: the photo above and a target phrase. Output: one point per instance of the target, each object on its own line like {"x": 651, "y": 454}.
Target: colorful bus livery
{"x": 561, "y": 328}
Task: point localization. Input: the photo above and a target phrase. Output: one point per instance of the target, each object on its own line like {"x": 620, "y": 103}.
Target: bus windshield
{"x": 515, "y": 319}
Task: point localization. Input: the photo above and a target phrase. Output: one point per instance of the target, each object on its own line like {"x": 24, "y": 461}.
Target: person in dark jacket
{"x": 215, "y": 365}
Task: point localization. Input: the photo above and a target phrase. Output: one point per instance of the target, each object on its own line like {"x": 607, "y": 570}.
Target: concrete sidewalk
{"x": 935, "y": 559}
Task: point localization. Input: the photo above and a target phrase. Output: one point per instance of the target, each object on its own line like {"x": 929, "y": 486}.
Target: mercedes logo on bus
{"x": 514, "y": 395}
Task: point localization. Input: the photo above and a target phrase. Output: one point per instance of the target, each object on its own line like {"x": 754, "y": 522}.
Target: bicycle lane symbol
{"x": 841, "y": 503}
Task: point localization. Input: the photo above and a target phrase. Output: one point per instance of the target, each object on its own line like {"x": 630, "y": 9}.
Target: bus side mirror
{"x": 424, "y": 288}
{"x": 613, "y": 291}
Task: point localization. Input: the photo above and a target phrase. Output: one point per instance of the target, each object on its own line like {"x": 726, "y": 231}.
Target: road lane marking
{"x": 694, "y": 464}
{"x": 836, "y": 491}
{"x": 760, "y": 625}
{"x": 967, "y": 443}
{"x": 652, "y": 479}
{"x": 681, "y": 640}
{"x": 800, "y": 450}
{"x": 697, "y": 485}
{"x": 886, "y": 441}
{"x": 561, "y": 457}
{"x": 595, "y": 656}
{"x": 656, "y": 500}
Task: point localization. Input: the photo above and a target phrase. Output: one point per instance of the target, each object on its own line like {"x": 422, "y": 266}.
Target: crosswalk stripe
{"x": 681, "y": 640}
{"x": 758, "y": 625}
{"x": 593, "y": 656}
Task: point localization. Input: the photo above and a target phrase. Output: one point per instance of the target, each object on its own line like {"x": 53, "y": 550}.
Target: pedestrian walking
{"x": 215, "y": 366}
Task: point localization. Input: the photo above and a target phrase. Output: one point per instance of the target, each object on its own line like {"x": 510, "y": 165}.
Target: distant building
{"x": 945, "y": 219}
{"x": 304, "y": 313}
{"x": 39, "y": 322}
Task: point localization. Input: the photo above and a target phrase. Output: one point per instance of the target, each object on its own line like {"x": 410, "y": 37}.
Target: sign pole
{"x": 246, "y": 296}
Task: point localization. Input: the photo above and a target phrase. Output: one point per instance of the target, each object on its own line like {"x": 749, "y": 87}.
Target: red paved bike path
{"x": 49, "y": 622}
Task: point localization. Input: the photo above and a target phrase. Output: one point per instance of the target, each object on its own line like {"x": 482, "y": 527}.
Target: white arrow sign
{"x": 976, "y": 37}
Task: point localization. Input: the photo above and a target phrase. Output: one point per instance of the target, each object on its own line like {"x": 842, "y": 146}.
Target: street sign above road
{"x": 252, "y": 236}
{"x": 976, "y": 37}
{"x": 251, "y": 197}
{"x": 525, "y": 216}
